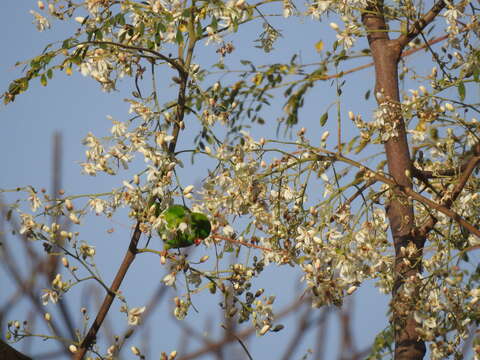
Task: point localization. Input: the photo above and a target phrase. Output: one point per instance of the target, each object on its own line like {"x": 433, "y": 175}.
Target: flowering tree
{"x": 261, "y": 194}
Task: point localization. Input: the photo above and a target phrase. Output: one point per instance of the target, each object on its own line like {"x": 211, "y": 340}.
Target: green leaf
{"x": 361, "y": 146}
{"x": 179, "y": 37}
{"x": 199, "y": 30}
{"x": 161, "y": 27}
{"x": 141, "y": 28}
{"x": 120, "y": 19}
{"x": 214, "y": 23}
{"x": 476, "y": 74}
{"x": 98, "y": 35}
{"x": 43, "y": 80}
{"x": 461, "y": 91}
{"x": 323, "y": 119}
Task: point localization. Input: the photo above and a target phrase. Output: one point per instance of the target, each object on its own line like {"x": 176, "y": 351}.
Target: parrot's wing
{"x": 175, "y": 215}
{"x": 200, "y": 225}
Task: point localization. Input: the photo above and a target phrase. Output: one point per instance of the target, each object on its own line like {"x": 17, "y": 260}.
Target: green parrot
{"x": 182, "y": 227}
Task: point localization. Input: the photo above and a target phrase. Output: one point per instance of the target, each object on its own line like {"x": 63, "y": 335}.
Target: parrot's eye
{"x": 198, "y": 241}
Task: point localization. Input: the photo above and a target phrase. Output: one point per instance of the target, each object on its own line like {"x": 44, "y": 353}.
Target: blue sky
{"x": 74, "y": 106}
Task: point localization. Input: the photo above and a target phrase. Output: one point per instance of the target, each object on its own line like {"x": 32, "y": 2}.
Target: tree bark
{"x": 9, "y": 353}
{"x": 386, "y": 54}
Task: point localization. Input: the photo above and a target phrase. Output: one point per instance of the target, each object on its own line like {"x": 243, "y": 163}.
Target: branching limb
{"x": 181, "y": 100}
{"x": 420, "y": 24}
{"x": 171, "y": 61}
{"x": 8, "y": 352}
{"x": 448, "y": 201}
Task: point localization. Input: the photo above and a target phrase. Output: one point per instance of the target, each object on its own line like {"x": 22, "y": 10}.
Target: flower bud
{"x": 65, "y": 262}
{"x": 449, "y": 107}
{"x": 264, "y": 329}
{"x": 334, "y": 26}
{"x": 69, "y": 205}
{"x": 73, "y": 218}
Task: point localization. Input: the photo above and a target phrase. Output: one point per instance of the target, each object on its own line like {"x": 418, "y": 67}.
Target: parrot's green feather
{"x": 201, "y": 225}
{"x": 175, "y": 235}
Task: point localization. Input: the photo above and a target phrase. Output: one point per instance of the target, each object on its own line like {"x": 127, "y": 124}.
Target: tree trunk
{"x": 386, "y": 54}
{"x": 9, "y": 353}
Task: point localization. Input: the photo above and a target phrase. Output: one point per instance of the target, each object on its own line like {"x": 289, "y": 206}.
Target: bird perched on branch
{"x": 182, "y": 227}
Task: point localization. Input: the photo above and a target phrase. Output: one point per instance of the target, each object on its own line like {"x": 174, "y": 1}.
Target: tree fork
{"x": 386, "y": 54}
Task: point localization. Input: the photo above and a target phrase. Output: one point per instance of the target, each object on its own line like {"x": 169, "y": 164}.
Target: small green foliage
{"x": 383, "y": 345}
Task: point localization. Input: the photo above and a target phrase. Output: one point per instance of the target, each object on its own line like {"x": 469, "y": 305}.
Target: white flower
{"x": 334, "y": 26}
{"x": 430, "y": 323}
{"x": 169, "y": 279}
{"x": 35, "y": 202}
{"x": 417, "y": 136}
{"x": 49, "y": 295}
{"x": 97, "y": 205}
{"x": 449, "y": 107}
{"x": 118, "y": 129}
{"x": 288, "y": 194}
{"x": 135, "y": 315}
{"x": 319, "y": 8}
{"x": 40, "y": 21}
{"x": 212, "y": 36}
{"x": 188, "y": 189}
{"x": 228, "y": 230}
{"x": 74, "y": 218}
{"x": 287, "y": 8}
{"x": 87, "y": 250}
{"x": 264, "y": 329}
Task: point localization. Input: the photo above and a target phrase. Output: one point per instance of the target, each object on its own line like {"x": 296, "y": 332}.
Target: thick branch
{"x": 386, "y": 54}
{"x": 107, "y": 302}
{"x": 9, "y": 353}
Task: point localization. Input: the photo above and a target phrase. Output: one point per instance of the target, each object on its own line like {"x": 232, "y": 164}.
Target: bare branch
{"x": 9, "y": 353}
{"x": 107, "y": 302}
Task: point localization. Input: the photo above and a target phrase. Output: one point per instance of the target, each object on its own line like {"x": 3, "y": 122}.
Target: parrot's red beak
{"x": 197, "y": 241}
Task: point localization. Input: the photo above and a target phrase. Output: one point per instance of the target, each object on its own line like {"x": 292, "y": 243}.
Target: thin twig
{"x": 240, "y": 342}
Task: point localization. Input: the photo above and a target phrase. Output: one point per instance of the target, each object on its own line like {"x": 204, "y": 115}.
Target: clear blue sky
{"x": 75, "y": 106}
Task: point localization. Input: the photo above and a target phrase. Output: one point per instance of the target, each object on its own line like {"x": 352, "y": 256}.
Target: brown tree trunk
{"x": 9, "y": 353}
{"x": 386, "y": 54}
